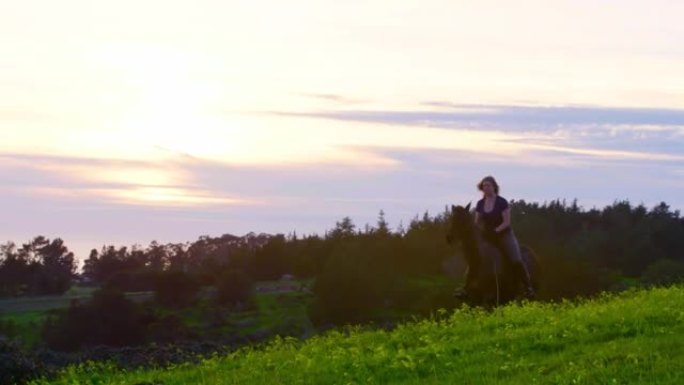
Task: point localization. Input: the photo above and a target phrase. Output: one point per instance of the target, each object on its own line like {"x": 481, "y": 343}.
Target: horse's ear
{"x": 468, "y": 206}
{"x": 453, "y": 208}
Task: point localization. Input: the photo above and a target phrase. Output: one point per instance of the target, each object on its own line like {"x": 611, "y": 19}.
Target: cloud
{"x": 643, "y": 134}
{"x": 112, "y": 181}
{"x": 510, "y": 116}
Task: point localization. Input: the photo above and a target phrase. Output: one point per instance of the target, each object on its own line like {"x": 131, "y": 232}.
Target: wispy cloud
{"x": 111, "y": 181}
{"x": 643, "y": 134}
{"x": 510, "y": 116}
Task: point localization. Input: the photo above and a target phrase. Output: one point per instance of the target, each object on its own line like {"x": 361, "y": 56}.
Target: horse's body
{"x": 492, "y": 281}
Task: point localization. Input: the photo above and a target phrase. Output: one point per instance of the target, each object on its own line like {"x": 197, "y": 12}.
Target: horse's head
{"x": 460, "y": 223}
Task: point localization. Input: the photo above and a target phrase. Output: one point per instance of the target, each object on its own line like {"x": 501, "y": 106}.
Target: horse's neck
{"x": 471, "y": 248}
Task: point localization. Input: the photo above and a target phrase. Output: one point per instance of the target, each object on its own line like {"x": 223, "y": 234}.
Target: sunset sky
{"x": 130, "y": 121}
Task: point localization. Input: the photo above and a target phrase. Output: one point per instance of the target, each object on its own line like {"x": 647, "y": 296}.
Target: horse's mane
{"x": 472, "y": 240}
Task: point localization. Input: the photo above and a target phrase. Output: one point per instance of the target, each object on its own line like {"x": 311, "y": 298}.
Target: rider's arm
{"x": 506, "y": 215}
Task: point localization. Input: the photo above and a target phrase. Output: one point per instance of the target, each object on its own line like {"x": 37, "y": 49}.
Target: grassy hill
{"x": 636, "y": 337}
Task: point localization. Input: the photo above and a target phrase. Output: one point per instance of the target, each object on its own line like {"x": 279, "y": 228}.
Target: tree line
{"x": 362, "y": 273}
{"x": 38, "y": 267}
{"x": 593, "y": 248}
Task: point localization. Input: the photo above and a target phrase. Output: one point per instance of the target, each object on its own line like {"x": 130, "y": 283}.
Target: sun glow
{"x": 168, "y": 196}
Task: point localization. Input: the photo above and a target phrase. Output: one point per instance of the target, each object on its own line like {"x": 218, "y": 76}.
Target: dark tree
{"x": 39, "y": 267}
{"x": 58, "y": 268}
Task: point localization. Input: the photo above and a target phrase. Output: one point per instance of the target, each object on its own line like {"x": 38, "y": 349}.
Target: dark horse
{"x": 491, "y": 280}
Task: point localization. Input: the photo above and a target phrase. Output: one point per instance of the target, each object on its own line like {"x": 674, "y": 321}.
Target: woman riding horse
{"x": 493, "y": 219}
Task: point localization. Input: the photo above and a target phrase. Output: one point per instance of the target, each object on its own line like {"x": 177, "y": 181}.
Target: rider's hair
{"x": 491, "y": 180}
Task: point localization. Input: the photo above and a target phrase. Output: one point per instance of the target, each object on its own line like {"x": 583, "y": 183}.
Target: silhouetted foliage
{"x": 361, "y": 271}
{"x": 132, "y": 281}
{"x": 16, "y": 366}
{"x": 108, "y": 319}
{"x": 175, "y": 288}
{"x": 39, "y": 267}
{"x": 234, "y": 287}
{"x": 168, "y": 329}
{"x": 134, "y": 269}
{"x": 584, "y": 251}
{"x": 269, "y": 261}
{"x": 8, "y": 328}
{"x": 347, "y": 290}
{"x": 664, "y": 272}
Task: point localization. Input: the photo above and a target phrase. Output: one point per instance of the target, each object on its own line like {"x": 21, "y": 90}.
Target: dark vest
{"x": 494, "y": 218}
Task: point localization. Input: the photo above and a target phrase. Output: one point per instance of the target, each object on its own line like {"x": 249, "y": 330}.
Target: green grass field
{"x": 28, "y": 325}
{"x": 636, "y": 337}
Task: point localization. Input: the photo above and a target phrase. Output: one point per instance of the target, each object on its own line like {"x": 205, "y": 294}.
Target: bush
{"x": 175, "y": 288}
{"x": 234, "y": 287}
{"x": 108, "y": 319}
{"x": 168, "y": 329}
{"x": 15, "y": 366}
{"x": 347, "y": 291}
{"x": 8, "y": 328}
{"x": 664, "y": 272}
{"x": 562, "y": 277}
{"x": 143, "y": 280}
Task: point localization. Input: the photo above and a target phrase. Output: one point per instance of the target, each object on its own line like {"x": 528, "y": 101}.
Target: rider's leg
{"x": 462, "y": 292}
{"x": 511, "y": 249}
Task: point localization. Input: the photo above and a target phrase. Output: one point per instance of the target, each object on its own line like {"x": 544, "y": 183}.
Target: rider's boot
{"x": 462, "y": 292}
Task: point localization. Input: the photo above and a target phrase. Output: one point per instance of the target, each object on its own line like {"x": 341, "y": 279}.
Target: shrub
{"x": 664, "y": 272}
{"x": 15, "y": 366}
{"x": 234, "y": 287}
{"x": 176, "y": 288}
{"x": 108, "y": 319}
